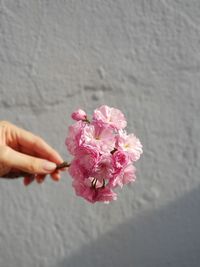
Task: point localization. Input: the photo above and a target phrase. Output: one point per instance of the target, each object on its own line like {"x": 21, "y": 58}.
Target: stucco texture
{"x": 141, "y": 56}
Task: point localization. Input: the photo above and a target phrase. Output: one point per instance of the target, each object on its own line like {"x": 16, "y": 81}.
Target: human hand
{"x": 22, "y": 151}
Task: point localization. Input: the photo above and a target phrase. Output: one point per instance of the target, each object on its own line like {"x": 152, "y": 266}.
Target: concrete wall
{"x": 142, "y": 56}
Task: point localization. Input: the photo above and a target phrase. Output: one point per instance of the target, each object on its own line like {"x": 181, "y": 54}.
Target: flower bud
{"x": 78, "y": 115}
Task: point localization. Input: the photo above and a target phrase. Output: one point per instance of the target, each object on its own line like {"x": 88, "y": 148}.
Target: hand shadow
{"x": 169, "y": 236}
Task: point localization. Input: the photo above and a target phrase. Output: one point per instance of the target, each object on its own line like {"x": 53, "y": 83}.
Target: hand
{"x": 22, "y": 151}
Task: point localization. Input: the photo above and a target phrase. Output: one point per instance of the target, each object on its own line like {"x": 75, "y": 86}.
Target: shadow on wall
{"x": 166, "y": 237}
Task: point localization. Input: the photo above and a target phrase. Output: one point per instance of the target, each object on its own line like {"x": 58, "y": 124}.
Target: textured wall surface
{"x": 142, "y": 56}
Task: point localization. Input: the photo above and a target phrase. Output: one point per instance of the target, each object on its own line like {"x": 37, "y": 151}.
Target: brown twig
{"x": 65, "y": 164}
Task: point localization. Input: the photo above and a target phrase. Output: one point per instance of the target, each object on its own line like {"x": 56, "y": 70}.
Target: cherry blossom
{"x": 89, "y": 192}
{"x": 120, "y": 160}
{"x": 84, "y": 162}
{"x": 125, "y": 176}
{"x": 129, "y": 143}
{"x": 103, "y": 154}
{"x": 74, "y": 137}
{"x": 99, "y": 137}
{"x": 79, "y": 115}
{"x": 109, "y": 116}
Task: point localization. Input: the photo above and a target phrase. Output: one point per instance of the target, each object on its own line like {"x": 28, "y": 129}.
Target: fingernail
{"x": 49, "y": 166}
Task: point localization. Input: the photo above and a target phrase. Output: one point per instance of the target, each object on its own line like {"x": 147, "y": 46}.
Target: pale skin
{"x": 22, "y": 151}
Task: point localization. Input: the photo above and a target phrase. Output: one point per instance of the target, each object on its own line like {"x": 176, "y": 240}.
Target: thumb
{"x": 23, "y": 162}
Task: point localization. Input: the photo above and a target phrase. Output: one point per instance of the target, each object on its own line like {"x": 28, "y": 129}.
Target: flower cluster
{"x": 103, "y": 153}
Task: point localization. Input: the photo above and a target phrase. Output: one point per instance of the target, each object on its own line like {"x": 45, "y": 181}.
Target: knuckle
{"x": 5, "y": 128}
{"x": 33, "y": 166}
{"x": 4, "y": 123}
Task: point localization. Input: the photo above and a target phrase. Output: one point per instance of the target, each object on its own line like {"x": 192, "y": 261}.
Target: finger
{"x": 40, "y": 178}
{"x": 55, "y": 176}
{"x": 14, "y": 159}
{"x": 27, "y": 151}
{"x": 28, "y": 180}
{"x": 37, "y": 144}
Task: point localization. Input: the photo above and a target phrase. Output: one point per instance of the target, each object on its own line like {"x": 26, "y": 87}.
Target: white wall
{"x": 142, "y": 56}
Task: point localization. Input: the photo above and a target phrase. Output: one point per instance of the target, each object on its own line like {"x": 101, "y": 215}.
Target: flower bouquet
{"x": 103, "y": 153}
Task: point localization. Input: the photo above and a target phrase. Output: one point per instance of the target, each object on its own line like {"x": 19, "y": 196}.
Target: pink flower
{"x": 130, "y": 144}
{"x": 104, "y": 169}
{"x": 84, "y": 162}
{"x": 77, "y": 171}
{"x": 106, "y": 195}
{"x": 101, "y": 138}
{"x": 120, "y": 159}
{"x": 109, "y": 116}
{"x": 74, "y": 138}
{"x": 83, "y": 190}
{"x": 126, "y": 176}
{"x": 86, "y": 190}
{"x": 103, "y": 154}
{"x": 79, "y": 115}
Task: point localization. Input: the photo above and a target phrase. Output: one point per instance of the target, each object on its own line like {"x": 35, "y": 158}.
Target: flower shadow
{"x": 169, "y": 236}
